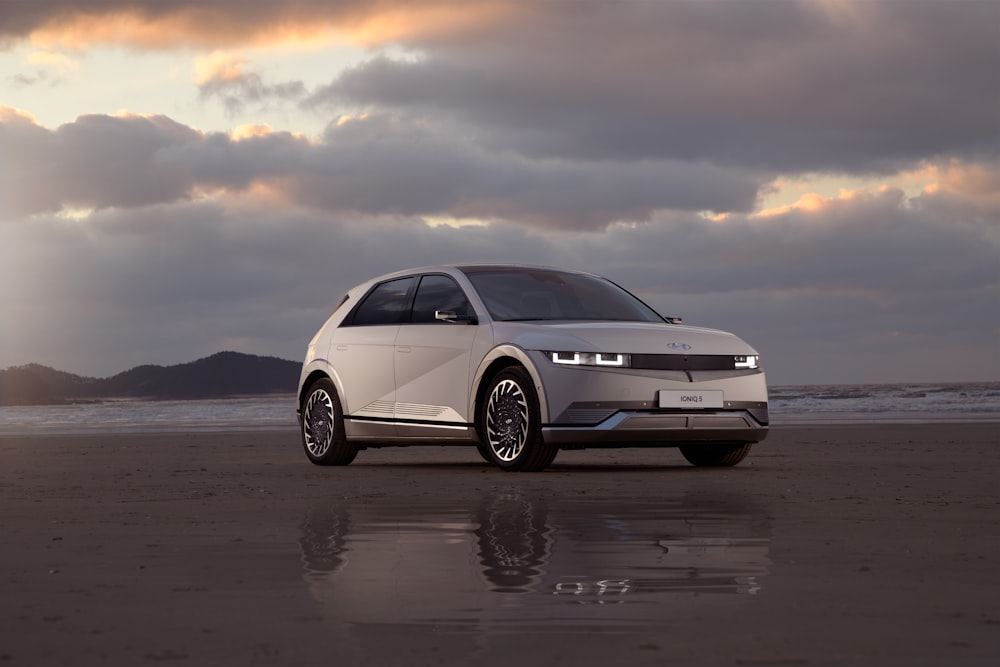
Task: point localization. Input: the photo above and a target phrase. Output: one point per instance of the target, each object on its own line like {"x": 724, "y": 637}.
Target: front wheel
{"x": 511, "y": 423}
{"x": 716, "y": 455}
{"x": 323, "y": 427}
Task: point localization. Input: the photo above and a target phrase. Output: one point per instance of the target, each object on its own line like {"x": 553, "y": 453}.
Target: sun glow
{"x": 250, "y": 131}
{"x": 810, "y": 202}
{"x": 454, "y": 223}
{"x": 71, "y": 213}
{"x": 52, "y": 59}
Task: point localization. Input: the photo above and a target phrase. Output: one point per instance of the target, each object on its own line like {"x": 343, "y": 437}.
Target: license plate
{"x": 709, "y": 398}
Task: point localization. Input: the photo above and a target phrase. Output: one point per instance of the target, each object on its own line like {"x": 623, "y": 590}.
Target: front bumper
{"x": 627, "y": 428}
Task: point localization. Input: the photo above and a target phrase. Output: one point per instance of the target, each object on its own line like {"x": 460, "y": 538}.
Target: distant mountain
{"x": 218, "y": 376}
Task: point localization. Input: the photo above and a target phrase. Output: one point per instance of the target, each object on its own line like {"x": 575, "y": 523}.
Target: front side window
{"x": 439, "y": 293}
{"x": 541, "y": 294}
{"x": 385, "y": 304}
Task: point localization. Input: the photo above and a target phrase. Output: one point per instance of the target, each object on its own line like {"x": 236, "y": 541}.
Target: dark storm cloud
{"x": 96, "y": 161}
{"x": 854, "y": 86}
{"x": 817, "y": 85}
{"x": 372, "y": 166}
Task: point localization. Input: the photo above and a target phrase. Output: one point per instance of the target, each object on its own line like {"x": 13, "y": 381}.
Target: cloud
{"x": 777, "y": 85}
{"x": 209, "y": 24}
{"x": 218, "y": 66}
{"x": 224, "y": 75}
{"x": 58, "y": 61}
{"x": 862, "y": 290}
{"x": 975, "y": 185}
{"x": 97, "y": 161}
{"x": 635, "y": 139}
{"x": 49, "y": 68}
{"x": 855, "y": 87}
{"x": 377, "y": 165}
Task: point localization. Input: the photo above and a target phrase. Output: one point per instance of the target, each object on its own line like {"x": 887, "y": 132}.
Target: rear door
{"x": 362, "y": 353}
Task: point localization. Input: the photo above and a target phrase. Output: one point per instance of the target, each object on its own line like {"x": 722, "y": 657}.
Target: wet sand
{"x": 829, "y": 545}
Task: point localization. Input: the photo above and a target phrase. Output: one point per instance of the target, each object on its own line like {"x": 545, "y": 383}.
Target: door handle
{"x": 403, "y": 348}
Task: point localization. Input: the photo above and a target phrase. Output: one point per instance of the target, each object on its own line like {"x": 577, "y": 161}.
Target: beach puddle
{"x": 521, "y": 562}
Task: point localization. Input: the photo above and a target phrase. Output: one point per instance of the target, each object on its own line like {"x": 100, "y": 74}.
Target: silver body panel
{"x": 416, "y": 383}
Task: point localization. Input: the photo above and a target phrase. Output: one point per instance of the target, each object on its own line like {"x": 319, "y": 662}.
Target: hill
{"x": 218, "y": 376}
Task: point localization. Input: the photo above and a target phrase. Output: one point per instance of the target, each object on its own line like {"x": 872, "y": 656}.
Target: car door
{"x": 433, "y": 354}
{"x": 363, "y": 351}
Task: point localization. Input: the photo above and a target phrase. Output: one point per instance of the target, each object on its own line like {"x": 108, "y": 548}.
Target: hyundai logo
{"x": 679, "y": 346}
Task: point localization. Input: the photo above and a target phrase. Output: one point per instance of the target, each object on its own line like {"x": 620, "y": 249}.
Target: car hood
{"x": 620, "y": 337}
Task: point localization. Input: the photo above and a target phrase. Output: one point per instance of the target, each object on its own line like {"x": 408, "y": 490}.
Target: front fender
{"x": 508, "y": 351}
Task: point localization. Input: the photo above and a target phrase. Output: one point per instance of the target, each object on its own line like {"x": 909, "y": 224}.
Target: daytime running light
{"x": 613, "y": 360}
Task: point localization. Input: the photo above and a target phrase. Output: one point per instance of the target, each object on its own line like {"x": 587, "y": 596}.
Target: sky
{"x": 821, "y": 177}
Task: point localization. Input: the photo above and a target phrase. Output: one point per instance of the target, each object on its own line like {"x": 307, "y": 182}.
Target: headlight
{"x": 614, "y": 360}
{"x": 746, "y": 361}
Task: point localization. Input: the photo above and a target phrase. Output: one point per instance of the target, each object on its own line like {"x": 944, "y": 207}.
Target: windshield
{"x": 542, "y": 294}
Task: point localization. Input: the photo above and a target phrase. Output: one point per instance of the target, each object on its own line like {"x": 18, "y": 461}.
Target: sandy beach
{"x": 830, "y": 545}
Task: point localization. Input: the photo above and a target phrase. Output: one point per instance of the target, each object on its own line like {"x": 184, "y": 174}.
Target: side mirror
{"x": 452, "y": 316}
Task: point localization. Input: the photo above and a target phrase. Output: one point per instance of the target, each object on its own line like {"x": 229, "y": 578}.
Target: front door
{"x": 433, "y": 355}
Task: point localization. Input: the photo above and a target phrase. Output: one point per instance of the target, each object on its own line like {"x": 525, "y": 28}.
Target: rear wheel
{"x": 323, "y": 427}
{"x": 511, "y": 423}
{"x": 716, "y": 455}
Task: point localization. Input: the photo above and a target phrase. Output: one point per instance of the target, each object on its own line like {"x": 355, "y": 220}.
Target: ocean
{"x": 806, "y": 404}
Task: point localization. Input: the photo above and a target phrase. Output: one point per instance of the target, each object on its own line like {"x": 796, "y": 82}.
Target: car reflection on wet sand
{"x": 519, "y": 562}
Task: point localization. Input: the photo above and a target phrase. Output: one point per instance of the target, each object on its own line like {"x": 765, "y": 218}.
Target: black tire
{"x": 322, "y": 430}
{"x": 511, "y": 423}
{"x": 712, "y": 455}
{"x": 484, "y": 451}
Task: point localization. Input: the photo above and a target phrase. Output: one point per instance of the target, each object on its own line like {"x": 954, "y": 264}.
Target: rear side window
{"x": 438, "y": 293}
{"x": 385, "y": 304}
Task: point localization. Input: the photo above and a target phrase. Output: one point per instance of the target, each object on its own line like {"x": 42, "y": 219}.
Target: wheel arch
{"x": 316, "y": 371}
{"x": 498, "y": 359}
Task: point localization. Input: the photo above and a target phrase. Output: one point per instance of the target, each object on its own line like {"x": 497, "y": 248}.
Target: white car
{"x": 523, "y": 361}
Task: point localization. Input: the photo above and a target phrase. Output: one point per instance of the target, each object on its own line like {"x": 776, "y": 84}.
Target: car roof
{"x": 469, "y": 268}
{"x": 481, "y": 268}
{"x": 484, "y": 268}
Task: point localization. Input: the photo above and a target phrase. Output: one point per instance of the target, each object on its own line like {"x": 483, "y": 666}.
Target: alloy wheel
{"x": 318, "y": 423}
{"x": 507, "y": 420}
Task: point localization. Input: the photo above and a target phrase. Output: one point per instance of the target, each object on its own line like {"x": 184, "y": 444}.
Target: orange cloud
{"x": 969, "y": 181}
{"x": 977, "y": 183}
{"x": 809, "y": 202}
{"x": 13, "y": 115}
{"x": 51, "y": 59}
{"x": 250, "y": 131}
{"x": 183, "y": 27}
{"x": 259, "y": 24}
{"x": 218, "y": 66}
{"x": 426, "y": 19}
